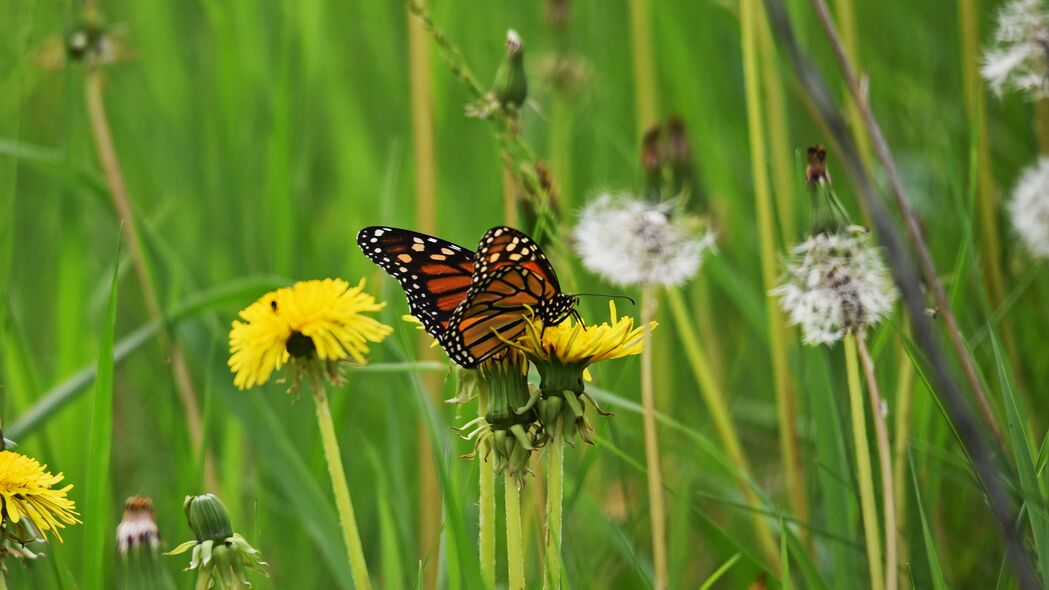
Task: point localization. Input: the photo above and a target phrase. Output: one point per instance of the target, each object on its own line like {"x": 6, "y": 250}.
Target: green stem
{"x": 555, "y": 471}
{"x": 342, "y": 492}
{"x": 3, "y": 581}
{"x": 644, "y": 67}
{"x": 881, "y": 433}
{"x": 486, "y": 518}
{"x": 656, "y": 509}
{"x": 718, "y": 407}
{"x": 514, "y": 537}
{"x": 785, "y": 399}
{"x": 902, "y": 432}
{"x": 863, "y": 466}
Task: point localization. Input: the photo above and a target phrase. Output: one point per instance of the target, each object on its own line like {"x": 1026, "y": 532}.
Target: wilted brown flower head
{"x": 816, "y": 171}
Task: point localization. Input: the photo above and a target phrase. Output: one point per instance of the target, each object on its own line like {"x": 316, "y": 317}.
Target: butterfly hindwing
{"x": 436, "y": 275}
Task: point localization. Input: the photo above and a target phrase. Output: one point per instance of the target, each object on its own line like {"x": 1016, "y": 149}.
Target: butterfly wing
{"x": 497, "y": 304}
{"x": 435, "y": 274}
{"x": 505, "y": 246}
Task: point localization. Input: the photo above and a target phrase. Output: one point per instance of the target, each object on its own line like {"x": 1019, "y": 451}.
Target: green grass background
{"x": 258, "y": 137}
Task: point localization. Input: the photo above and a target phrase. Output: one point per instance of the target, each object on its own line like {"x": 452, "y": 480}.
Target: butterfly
{"x": 471, "y": 302}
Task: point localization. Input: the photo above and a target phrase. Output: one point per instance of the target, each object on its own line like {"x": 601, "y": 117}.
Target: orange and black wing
{"x": 435, "y": 274}
{"x": 494, "y": 311}
{"x": 505, "y": 246}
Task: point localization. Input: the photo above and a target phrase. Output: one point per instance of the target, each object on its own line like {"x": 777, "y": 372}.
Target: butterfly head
{"x": 554, "y": 310}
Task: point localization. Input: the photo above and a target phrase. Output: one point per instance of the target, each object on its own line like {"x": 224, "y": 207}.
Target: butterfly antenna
{"x": 627, "y": 297}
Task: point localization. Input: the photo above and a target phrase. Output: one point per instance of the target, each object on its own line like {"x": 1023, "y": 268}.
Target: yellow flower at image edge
{"x": 318, "y": 319}
{"x": 26, "y": 488}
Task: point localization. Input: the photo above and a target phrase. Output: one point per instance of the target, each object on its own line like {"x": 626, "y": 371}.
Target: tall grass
{"x": 256, "y": 138}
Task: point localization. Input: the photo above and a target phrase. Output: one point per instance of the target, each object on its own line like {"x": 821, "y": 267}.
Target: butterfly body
{"x": 473, "y": 303}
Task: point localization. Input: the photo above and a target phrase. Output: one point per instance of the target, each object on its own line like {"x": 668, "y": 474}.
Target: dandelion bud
{"x": 207, "y": 517}
{"x": 816, "y": 170}
{"x": 511, "y": 83}
{"x": 827, "y": 214}
{"x": 652, "y": 163}
{"x": 220, "y": 557}
{"x": 138, "y": 542}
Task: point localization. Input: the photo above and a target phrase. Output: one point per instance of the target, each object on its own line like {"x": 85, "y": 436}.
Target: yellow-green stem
{"x": 514, "y": 537}
{"x": 486, "y": 517}
{"x": 656, "y": 509}
{"x": 425, "y": 185}
{"x": 888, "y": 490}
{"x": 785, "y": 399}
{"x": 644, "y": 65}
{"x": 347, "y": 519}
{"x": 863, "y": 467}
{"x": 902, "y": 432}
{"x": 782, "y": 161}
{"x": 718, "y": 407}
{"x": 846, "y": 18}
{"x": 555, "y": 470}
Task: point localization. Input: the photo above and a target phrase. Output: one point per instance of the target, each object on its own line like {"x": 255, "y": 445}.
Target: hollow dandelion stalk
{"x": 312, "y": 328}
{"x": 888, "y": 491}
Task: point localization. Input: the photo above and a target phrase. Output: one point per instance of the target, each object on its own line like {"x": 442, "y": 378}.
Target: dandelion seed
{"x": 630, "y": 242}
{"x": 835, "y": 283}
{"x": 1029, "y": 208}
{"x": 312, "y": 324}
{"x": 1019, "y": 58}
{"x": 32, "y": 506}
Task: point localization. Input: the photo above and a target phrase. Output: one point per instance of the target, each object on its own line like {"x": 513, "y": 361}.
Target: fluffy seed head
{"x": 629, "y": 241}
{"x": 1019, "y": 57}
{"x": 835, "y": 283}
{"x": 1029, "y": 208}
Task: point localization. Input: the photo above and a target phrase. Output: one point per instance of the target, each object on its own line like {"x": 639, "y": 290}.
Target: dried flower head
{"x": 1019, "y": 59}
{"x": 835, "y": 283}
{"x": 629, "y": 241}
{"x": 31, "y": 505}
{"x": 816, "y": 169}
{"x": 312, "y": 324}
{"x": 139, "y": 525}
{"x": 1029, "y": 208}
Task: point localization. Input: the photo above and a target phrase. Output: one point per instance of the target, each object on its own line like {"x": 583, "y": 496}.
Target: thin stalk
{"x": 644, "y": 65}
{"x": 1041, "y": 124}
{"x": 656, "y": 509}
{"x": 718, "y": 407}
{"x": 786, "y": 404}
{"x": 3, "y": 581}
{"x": 847, "y": 22}
{"x": 902, "y": 432}
{"x": 980, "y": 150}
{"x": 347, "y": 519}
{"x": 107, "y": 155}
{"x": 914, "y": 233}
{"x": 514, "y": 536}
{"x": 863, "y": 467}
{"x": 425, "y": 205}
{"x": 781, "y": 160}
{"x": 555, "y": 471}
{"x": 486, "y": 516}
{"x": 888, "y": 490}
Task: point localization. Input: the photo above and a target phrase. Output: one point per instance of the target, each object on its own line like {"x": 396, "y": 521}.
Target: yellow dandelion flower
{"x": 311, "y": 320}
{"x": 27, "y": 492}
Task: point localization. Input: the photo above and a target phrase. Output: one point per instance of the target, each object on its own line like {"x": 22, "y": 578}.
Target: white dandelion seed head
{"x": 630, "y": 242}
{"x": 1029, "y": 208}
{"x": 835, "y": 283}
{"x": 1019, "y": 57}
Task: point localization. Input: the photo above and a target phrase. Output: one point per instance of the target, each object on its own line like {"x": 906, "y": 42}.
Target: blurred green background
{"x": 256, "y": 138}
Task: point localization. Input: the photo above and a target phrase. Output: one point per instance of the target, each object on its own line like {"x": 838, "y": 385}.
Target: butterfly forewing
{"x": 435, "y": 274}
{"x": 505, "y": 246}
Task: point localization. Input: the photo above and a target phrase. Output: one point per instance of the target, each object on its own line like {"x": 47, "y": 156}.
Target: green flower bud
{"x": 511, "y": 83}
{"x": 208, "y": 517}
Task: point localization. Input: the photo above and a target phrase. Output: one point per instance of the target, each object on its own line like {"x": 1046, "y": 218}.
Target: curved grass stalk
{"x": 863, "y": 466}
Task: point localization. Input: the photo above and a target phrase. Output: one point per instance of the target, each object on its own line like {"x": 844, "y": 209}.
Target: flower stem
{"x": 881, "y": 434}
{"x": 555, "y": 471}
{"x": 514, "y": 536}
{"x": 486, "y": 517}
{"x": 716, "y": 404}
{"x": 785, "y": 398}
{"x": 656, "y": 510}
{"x": 902, "y": 432}
{"x": 644, "y": 67}
{"x": 347, "y": 519}
{"x": 863, "y": 466}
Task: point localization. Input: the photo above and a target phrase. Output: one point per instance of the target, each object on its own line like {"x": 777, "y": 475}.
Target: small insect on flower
{"x": 1019, "y": 58}
{"x": 32, "y": 506}
{"x": 631, "y": 242}
{"x": 835, "y": 283}
{"x": 313, "y": 325}
{"x": 1029, "y": 208}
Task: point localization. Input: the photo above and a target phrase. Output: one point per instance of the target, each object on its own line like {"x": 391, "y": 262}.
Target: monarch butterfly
{"x": 471, "y": 302}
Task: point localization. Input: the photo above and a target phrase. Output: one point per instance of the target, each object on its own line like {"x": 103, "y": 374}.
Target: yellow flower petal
{"x": 27, "y": 492}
